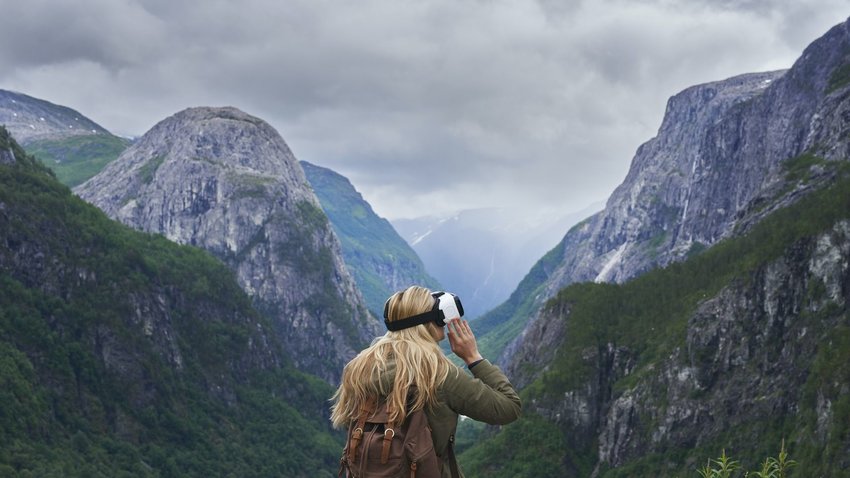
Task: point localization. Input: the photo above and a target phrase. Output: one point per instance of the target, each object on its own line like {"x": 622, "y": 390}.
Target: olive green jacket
{"x": 486, "y": 395}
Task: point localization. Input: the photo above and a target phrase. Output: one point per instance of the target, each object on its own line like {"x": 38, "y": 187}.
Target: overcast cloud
{"x": 428, "y": 106}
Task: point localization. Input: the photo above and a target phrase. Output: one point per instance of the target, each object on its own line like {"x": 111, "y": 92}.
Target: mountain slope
{"x": 75, "y": 147}
{"x": 226, "y": 181}
{"x": 124, "y": 354}
{"x": 739, "y": 347}
{"x": 378, "y": 258}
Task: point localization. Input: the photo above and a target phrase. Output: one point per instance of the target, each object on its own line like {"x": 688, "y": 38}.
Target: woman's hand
{"x": 462, "y": 341}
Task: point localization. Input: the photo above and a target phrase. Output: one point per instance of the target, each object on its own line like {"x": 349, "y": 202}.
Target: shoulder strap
{"x": 389, "y": 434}
{"x": 366, "y": 410}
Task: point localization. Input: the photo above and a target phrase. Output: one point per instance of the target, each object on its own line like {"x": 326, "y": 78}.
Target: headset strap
{"x": 423, "y": 318}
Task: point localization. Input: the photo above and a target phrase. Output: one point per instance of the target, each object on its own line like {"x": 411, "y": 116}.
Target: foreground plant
{"x": 724, "y": 466}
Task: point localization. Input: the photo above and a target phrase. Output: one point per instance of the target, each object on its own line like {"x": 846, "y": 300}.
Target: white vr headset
{"x": 447, "y": 306}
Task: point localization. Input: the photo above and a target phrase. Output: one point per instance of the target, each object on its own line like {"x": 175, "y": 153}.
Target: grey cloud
{"x": 534, "y": 102}
{"x": 113, "y": 34}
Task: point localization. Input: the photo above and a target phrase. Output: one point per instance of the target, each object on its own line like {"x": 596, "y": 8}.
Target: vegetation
{"x": 78, "y": 158}
{"x": 148, "y": 170}
{"x": 123, "y": 354}
{"x": 534, "y": 448}
{"x": 649, "y": 317}
{"x": 839, "y": 78}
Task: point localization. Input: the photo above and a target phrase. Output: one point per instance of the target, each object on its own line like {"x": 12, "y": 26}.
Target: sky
{"x": 427, "y": 106}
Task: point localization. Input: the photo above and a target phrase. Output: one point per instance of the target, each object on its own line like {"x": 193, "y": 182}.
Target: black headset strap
{"x": 423, "y": 318}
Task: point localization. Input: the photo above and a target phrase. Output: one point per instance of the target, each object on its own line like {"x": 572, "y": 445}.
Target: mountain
{"x": 717, "y": 166}
{"x": 482, "y": 254}
{"x": 706, "y": 306}
{"x": 378, "y": 258}
{"x": 124, "y": 354}
{"x": 75, "y": 147}
{"x": 226, "y": 181}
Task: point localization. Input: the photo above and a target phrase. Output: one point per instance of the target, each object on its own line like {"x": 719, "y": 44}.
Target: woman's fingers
{"x": 462, "y": 340}
{"x": 459, "y": 328}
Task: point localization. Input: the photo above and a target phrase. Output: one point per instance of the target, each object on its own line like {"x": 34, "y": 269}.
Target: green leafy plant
{"x": 724, "y": 466}
{"x": 775, "y": 467}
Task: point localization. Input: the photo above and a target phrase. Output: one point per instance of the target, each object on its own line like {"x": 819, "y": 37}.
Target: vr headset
{"x": 446, "y": 306}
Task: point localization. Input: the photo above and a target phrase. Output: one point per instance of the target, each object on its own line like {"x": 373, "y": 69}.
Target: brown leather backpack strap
{"x": 366, "y": 410}
{"x": 389, "y": 434}
{"x": 452, "y": 459}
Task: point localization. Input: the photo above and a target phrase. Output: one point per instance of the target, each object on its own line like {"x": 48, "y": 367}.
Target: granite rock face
{"x": 749, "y": 356}
{"x": 225, "y": 181}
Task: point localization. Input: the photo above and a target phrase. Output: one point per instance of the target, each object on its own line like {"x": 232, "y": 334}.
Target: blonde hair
{"x": 419, "y": 362}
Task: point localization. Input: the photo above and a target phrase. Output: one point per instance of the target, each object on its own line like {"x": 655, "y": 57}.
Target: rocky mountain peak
{"x": 226, "y": 181}
{"x": 236, "y": 139}
{"x": 719, "y": 150}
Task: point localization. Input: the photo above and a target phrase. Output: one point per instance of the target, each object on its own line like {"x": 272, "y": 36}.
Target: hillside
{"x": 378, "y": 258}
{"x": 738, "y": 347}
{"x": 124, "y": 354}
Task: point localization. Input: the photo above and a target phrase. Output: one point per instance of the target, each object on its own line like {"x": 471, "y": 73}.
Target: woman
{"x": 411, "y": 357}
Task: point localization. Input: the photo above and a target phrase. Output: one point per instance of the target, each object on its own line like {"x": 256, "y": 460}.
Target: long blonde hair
{"x": 419, "y": 362}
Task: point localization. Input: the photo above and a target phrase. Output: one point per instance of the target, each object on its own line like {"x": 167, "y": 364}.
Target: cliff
{"x": 717, "y": 166}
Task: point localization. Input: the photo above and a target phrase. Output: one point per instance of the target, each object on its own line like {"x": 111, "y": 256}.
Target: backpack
{"x": 376, "y": 448}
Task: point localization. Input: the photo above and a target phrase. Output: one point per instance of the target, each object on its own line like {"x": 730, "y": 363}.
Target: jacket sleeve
{"x": 486, "y": 396}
